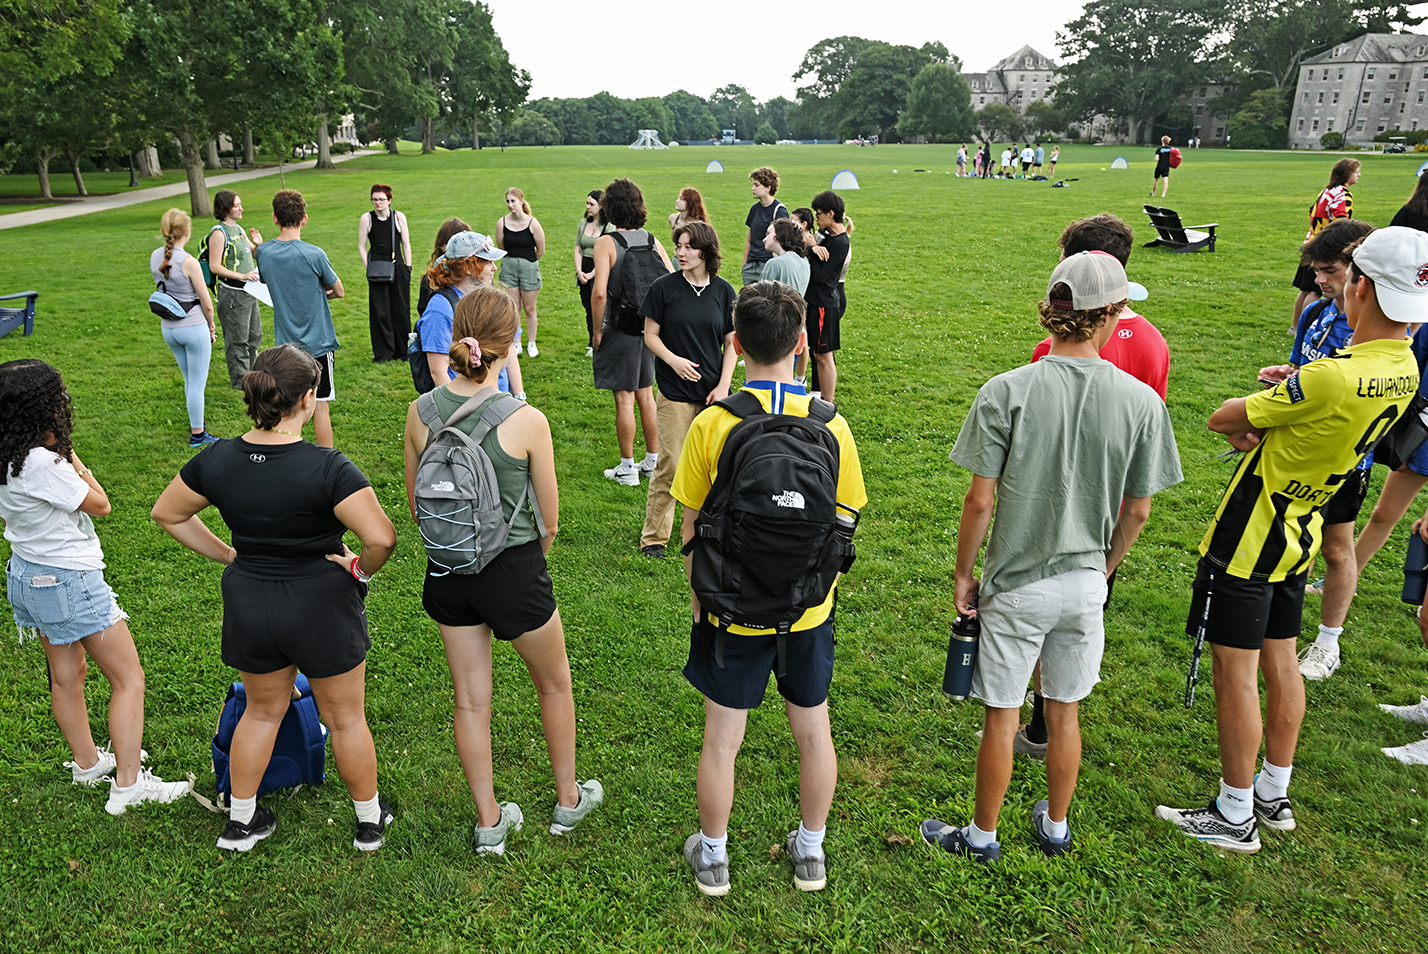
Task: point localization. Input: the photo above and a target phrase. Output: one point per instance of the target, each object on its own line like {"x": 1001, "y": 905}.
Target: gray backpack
{"x": 458, "y": 503}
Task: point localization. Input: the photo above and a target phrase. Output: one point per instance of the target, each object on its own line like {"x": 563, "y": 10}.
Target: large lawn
{"x": 942, "y": 295}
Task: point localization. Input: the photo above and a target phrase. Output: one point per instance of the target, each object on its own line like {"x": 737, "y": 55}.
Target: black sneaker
{"x": 1050, "y": 847}
{"x": 370, "y": 834}
{"x": 954, "y": 840}
{"x": 1275, "y": 813}
{"x": 655, "y": 551}
{"x": 240, "y": 837}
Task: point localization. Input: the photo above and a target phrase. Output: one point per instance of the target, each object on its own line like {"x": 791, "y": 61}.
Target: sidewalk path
{"x": 101, "y": 203}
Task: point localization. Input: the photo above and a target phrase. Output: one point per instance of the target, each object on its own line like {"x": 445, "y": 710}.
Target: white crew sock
{"x": 810, "y": 843}
{"x": 369, "y": 811}
{"x": 1273, "y": 781}
{"x": 241, "y": 810}
{"x": 1055, "y": 829}
{"x": 1236, "y": 804}
{"x": 627, "y": 463}
{"x": 715, "y": 849}
{"x": 978, "y": 838}
{"x": 652, "y": 459}
{"x": 800, "y": 379}
{"x": 1329, "y": 637}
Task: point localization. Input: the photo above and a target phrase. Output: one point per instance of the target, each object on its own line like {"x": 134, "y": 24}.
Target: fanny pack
{"x": 168, "y": 307}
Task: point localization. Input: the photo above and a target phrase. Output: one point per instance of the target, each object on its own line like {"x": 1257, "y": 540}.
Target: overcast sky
{"x": 570, "y": 47}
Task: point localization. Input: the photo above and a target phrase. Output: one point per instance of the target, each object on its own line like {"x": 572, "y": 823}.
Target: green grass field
{"x": 942, "y": 296}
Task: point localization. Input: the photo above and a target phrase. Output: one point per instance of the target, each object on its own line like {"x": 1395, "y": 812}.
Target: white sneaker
{"x": 532, "y": 350}
{"x": 1416, "y": 714}
{"x": 1414, "y": 753}
{"x": 148, "y": 788}
{"x": 647, "y": 467}
{"x": 1318, "y": 662}
{"x": 630, "y": 477}
{"x": 589, "y": 351}
{"x": 100, "y": 770}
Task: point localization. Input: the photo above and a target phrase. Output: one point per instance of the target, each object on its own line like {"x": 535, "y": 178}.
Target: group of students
{"x": 985, "y": 162}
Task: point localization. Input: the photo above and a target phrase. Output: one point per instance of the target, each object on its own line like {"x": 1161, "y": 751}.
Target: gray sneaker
{"x": 809, "y": 873}
{"x": 711, "y": 880}
{"x": 1022, "y": 745}
{"x": 492, "y": 841}
{"x": 592, "y": 796}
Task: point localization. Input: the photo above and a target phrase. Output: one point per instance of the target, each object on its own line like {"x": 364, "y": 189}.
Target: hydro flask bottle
{"x": 961, "y": 657}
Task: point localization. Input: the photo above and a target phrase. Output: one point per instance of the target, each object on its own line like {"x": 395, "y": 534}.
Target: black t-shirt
{"x": 823, "y": 276}
{"x": 277, "y": 499}
{"x": 692, "y": 326}
{"x": 1410, "y": 220}
{"x": 759, "y": 218}
{"x": 1162, "y": 159}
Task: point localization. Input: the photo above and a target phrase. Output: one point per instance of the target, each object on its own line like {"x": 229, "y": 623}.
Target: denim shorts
{"x": 63, "y": 605}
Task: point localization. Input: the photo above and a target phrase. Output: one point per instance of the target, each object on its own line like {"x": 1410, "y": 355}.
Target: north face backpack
{"x": 642, "y": 267}
{"x": 458, "y": 502}
{"x": 421, "y": 371}
{"x": 770, "y": 540}
{"x": 299, "y": 754}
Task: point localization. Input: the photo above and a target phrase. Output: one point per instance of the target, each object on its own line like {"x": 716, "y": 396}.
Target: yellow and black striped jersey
{"x": 1319, "y": 424}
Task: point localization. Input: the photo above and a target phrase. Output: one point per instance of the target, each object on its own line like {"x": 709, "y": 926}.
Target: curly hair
{"x": 453, "y": 271}
{"x": 33, "y": 406}
{"x": 790, "y": 237}
{"x": 767, "y": 178}
{"x": 703, "y": 238}
{"x": 489, "y": 317}
{"x": 624, "y": 205}
{"x": 1074, "y": 325}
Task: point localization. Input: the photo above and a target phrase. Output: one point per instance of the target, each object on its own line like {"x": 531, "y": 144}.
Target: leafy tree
{"x": 765, "y": 134}
{"x": 827, "y": 64}
{"x": 938, "y": 51}
{"x": 1041, "y": 118}
{"x": 876, "y": 91}
{"x": 387, "y": 47}
{"x": 735, "y": 109}
{"x": 1131, "y": 59}
{"x": 775, "y": 113}
{"x": 1262, "y": 123}
{"x": 530, "y": 128}
{"x": 1332, "y": 140}
{"x": 483, "y": 84}
{"x": 692, "y": 118}
{"x": 611, "y": 119}
{"x": 939, "y": 105}
{"x": 650, "y": 113}
{"x": 48, "y": 39}
{"x": 999, "y": 121}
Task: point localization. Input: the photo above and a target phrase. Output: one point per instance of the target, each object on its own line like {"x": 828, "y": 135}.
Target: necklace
{"x": 698, "y": 289}
{"x": 279, "y": 430}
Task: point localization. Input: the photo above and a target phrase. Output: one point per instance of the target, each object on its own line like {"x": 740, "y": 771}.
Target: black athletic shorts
{"x": 512, "y": 595}
{"x": 317, "y": 622}
{"x": 325, "y": 391}
{"x": 1304, "y": 280}
{"x": 1348, "y": 500}
{"x": 822, "y": 324}
{"x": 1244, "y": 613}
{"x": 748, "y": 661}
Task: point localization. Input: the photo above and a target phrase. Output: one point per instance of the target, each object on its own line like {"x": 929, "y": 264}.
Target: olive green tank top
{"x": 511, "y": 472}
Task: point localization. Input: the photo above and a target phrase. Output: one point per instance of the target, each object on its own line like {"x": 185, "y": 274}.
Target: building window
{"x": 1315, "y": 126}
{"x": 1371, "y": 71}
{"x": 1336, "y": 97}
{"x": 1199, "y": 110}
{"x": 981, "y": 100}
{"x": 1341, "y": 72}
{"x": 1304, "y": 98}
{"x": 1387, "y": 100}
{"x": 1402, "y": 107}
{"x": 1329, "y": 126}
{"x": 1219, "y": 131}
{"x": 1300, "y": 127}
{"x": 1393, "y": 74}
{"x": 1420, "y": 95}
{"x": 1021, "y": 78}
{"x": 1382, "y": 125}
{"x": 1365, "y": 99}
{"x": 1321, "y": 99}
{"x": 1359, "y": 126}
{"x": 1413, "y": 125}
{"x": 1202, "y": 91}
{"x": 1033, "y": 93}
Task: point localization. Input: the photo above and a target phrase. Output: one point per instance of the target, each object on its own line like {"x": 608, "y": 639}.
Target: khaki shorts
{"x": 1057, "y": 620}
{"x": 520, "y": 273}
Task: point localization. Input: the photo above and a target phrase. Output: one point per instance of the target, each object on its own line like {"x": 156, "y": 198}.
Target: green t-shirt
{"x": 788, "y": 268}
{"x": 1066, "y": 440}
{"x": 237, "y": 254}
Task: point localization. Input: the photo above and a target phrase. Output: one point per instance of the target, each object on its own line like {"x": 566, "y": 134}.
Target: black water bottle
{"x": 961, "y": 657}
{"x": 1415, "y": 570}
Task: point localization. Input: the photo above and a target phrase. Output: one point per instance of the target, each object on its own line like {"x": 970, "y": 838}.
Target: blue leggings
{"x": 192, "y": 348}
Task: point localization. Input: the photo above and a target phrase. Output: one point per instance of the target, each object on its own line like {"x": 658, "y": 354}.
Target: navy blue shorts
{"x": 749, "y": 660}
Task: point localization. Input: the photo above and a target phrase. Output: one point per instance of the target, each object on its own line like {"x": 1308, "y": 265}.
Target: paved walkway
{"x": 101, "y": 203}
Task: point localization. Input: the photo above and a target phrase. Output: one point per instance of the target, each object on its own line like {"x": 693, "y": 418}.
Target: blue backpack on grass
{"x": 299, "y": 753}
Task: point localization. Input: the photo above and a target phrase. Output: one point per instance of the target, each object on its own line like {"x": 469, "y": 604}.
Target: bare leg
{"x": 113, "y": 651}
{"x": 714, "y": 784}
{"x": 817, "y": 763}
{"x": 1341, "y": 573}
{"x": 800, "y": 364}
{"x": 1237, "y": 715}
{"x": 994, "y": 764}
{"x": 544, "y": 653}
{"x": 649, "y": 420}
{"x": 625, "y": 422}
{"x": 827, "y": 375}
{"x": 322, "y": 424}
{"x": 528, "y": 305}
{"x": 1393, "y": 502}
{"x": 343, "y": 701}
{"x": 67, "y": 673}
{"x": 269, "y": 695}
{"x": 1284, "y": 700}
{"x": 468, "y": 654}
{"x": 1063, "y": 756}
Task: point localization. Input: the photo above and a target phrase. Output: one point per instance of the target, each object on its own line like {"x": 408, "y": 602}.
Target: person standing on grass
{"x": 293, "y": 594}
{"x": 1162, "y": 167}
{"x": 191, "y": 337}
{"x": 1055, "y": 155}
{"x": 301, "y": 281}
{"x": 1007, "y": 162}
{"x": 1040, "y": 156}
{"x": 383, "y": 236}
{"x": 468, "y": 262}
{"x": 592, "y": 226}
{"x": 789, "y": 263}
{"x": 768, "y": 332}
{"x": 1335, "y": 202}
{"x": 765, "y": 210}
{"x": 1323, "y": 332}
{"x": 519, "y": 233}
{"x": 1302, "y": 439}
{"x": 962, "y": 161}
{"x": 825, "y": 265}
{"x": 443, "y": 235}
{"x": 688, "y": 207}
{"x": 230, "y": 259}
{"x": 1067, "y": 452}
{"x": 621, "y": 363}
{"x": 511, "y": 599}
{"x": 689, "y": 325}
{"x": 55, "y": 584}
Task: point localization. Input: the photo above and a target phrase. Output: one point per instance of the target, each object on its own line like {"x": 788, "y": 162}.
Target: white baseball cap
{"x": 1096, "y": 279}
{"x": 1396, "y": 258}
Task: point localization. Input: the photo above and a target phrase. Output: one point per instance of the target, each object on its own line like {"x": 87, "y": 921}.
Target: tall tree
{"x": 875, "y": 92}
{"x": 999, "y": 121}
{"x": 826, "y": 64}
{"x": 734, "y": 108}
{"x": 939, "y": 105}
{"x": 386, "y": 47}
{"x": 484, "y": 85}
{"x": 1131, "y": 59}
{"x": 47, "y": 39}
{"x": 775, "y": 113}
{"x": 692, "y": 118}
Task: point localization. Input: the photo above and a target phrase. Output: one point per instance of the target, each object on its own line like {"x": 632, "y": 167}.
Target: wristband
{"x": 357, "y": 573}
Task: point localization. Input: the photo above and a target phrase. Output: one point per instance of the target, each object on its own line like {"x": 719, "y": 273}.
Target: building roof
{"x": 1025, "y": 59}
{"x": 1376, "y": 48}
{"x": 985, "y": 83}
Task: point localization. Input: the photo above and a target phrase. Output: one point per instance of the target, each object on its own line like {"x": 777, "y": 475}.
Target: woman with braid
{"x": 191, "y": 337}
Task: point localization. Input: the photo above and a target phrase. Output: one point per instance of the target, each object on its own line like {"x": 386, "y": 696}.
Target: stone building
{"x": 1018, "y": 80}
{"x": 1360, "y": 88}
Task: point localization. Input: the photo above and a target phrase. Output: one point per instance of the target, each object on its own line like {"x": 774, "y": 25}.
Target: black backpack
{"x": 642, "y": 266}
{"x": 770, "y": 541}
{"x": 421, "y": 373}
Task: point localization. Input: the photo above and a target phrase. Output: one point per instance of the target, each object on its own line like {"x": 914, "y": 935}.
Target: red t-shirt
{"x": 1137, "y": 348}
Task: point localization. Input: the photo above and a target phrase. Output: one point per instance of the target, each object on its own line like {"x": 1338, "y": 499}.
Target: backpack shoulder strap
{"x": 426, "y": 410}
{"x": 494, "y": 413}
{"x": 741, "y": 405}
{"x": 821, "y": 410}
{"x": 619, "y": 239}
{"x": 450, "y": 295}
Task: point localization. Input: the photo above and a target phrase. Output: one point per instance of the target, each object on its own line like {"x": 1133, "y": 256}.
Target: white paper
{"x": 259, "y": 291}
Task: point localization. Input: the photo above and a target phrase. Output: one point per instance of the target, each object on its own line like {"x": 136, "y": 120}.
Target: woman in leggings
{"x": 191, "y": 337}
